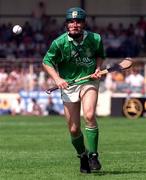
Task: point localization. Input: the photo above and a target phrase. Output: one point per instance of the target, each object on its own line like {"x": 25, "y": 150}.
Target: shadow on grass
{"x": 103, "y": 173}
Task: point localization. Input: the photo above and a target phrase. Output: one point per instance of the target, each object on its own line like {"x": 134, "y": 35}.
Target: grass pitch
{"x": 39, "y": 148}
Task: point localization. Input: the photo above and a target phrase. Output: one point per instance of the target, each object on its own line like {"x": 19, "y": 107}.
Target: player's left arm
{"x": 97, "y": 74}
{"x": 99, "y": 60}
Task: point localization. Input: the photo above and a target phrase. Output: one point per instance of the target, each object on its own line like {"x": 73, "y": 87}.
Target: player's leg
{"x": 89, "y": 96}
{"x": 72, "y": 114}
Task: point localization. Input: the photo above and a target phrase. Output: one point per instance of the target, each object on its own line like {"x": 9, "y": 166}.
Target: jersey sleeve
{"x": 98, "y": 43}
{"x": 53, "y": 55}
{"x": 101, "y": 51}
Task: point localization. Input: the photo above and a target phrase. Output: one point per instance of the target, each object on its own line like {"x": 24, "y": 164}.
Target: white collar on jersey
{"x": 85, "y": 33}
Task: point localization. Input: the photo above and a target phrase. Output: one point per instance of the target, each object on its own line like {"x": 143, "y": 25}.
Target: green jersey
{"x": 73, "y": 60}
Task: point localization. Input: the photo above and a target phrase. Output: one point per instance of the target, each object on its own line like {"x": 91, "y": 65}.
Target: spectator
{"x": 142, "y": 22}
{"x": 135, "y": 81}
{"x": 34, "y": 108}
{"x": 3, "y": 78}
{"x": 38, "y": 16}
{"x": 114, "y": 44}
{"x": 108, "y": 83}
{"x": 5, "y": 107}
{"x": 41, "y": 80}
{"x": 18, "y": 107}
{"x": 115, "y": 82}
{"x": 50, "y": 107}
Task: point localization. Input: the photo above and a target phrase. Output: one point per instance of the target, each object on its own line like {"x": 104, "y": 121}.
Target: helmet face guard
{"x": 78, "y": 15}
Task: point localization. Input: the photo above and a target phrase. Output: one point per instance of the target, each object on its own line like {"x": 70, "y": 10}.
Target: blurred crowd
{"x": 33, "y": 78}
{"x": 129, "y": 82}
{"x": 39, "y": 32}
{"x": 27, "y": 79}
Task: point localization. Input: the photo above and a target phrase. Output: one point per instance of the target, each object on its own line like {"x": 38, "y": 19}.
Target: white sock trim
{"x": 91, "y": 128}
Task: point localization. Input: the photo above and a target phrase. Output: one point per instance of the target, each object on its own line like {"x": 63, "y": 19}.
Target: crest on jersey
{"x": 74, "y": 14}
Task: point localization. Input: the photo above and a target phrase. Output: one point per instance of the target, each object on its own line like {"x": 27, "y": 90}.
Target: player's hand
{"x": 61, "y": 83}
{"x": 96, "y": 74}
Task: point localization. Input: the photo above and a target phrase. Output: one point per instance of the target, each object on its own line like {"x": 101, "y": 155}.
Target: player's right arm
{"x": 49, "y": 63}
{"x": 61, "y": 83}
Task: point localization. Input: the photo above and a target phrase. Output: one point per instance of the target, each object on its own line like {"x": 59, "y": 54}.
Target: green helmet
{"x": 75, "y": 13}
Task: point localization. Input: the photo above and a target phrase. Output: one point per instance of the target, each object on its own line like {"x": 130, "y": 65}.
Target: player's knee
{"x": 74, "y": 131}
{"x": 89, "y": 116}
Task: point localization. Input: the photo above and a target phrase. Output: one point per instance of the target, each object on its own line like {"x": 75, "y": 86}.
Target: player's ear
{"x": 84, "y": 25}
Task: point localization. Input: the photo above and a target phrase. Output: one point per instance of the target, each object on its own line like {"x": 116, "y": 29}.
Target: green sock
{"x": 78, "y": 143}
{"x": 92, "y": 139}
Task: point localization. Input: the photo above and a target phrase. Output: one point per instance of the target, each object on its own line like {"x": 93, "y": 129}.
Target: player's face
{"x": 75, "y": 27}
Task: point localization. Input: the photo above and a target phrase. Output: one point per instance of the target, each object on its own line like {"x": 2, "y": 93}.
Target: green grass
{"x": 34, "y": 148}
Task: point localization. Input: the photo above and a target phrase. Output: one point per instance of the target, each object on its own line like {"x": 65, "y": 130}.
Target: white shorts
{"x": 72, "y": 93}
